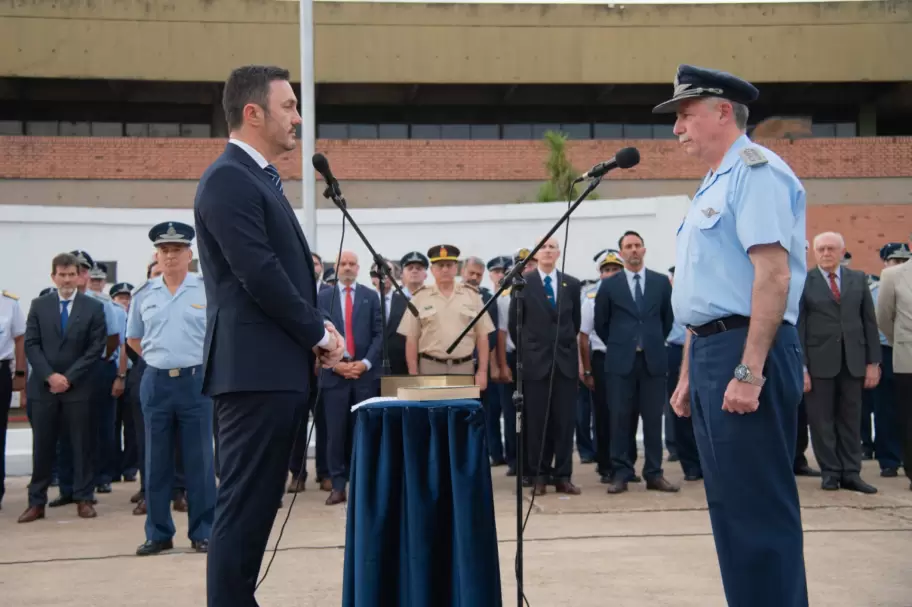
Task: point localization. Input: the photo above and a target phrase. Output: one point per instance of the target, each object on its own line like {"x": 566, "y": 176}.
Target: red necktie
{"x": 833, "y": 286}
{"x": 349, "y": 322}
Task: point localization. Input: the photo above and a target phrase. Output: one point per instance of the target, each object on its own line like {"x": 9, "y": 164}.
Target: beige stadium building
{"x": 117, "y": 104}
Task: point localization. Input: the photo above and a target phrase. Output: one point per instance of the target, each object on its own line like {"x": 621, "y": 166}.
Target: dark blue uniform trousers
{"x": 747, "y": 464}
{"x": 256, "y": 431}
{"x": 174, "y": 408}
{"x": 105, "y": 405}
{"x": 887, "y": 443}
{"x": 684, "y": 441}
{"x": 492, "y": 400}
{"x": 509, "y": 414}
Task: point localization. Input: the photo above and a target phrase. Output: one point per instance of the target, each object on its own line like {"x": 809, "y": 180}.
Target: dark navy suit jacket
{"x": 617, "y": 321}
{"x": 366, "y": 325}
{"x": 262, "y": 319}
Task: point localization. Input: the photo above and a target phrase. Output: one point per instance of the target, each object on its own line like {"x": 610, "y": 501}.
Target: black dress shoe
{"x": 587, "y": 460}
{"x": 149, "y": 547}
{"x": 854, "y": 483}
{"x": 636, "y": 478}
{"x": 661, "y": 484}
{"x": 616, "y": 487}
{"x": 829, "y": 483}
{"x": 673, "y": 457}
{"x": 889, "y": 473}
{"x": 139, "y": 495}
{"x": 62, "y": 500}
{"x": 806, "y": 470}
{"x": 498, "y": 461}
{"x": 692, "y": 477}
{"x": 606, "y": 479}
{"x": 867, "y": 455}
{"x": 129, "y": 478}
{"x": 511, "y": 471}
{"x": 201, "y": 546}
{"x": 106, "y": 488}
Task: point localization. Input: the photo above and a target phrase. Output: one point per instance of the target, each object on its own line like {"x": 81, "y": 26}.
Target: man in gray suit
{"x": 64, "y": 338}
{"x": 838, "y": 330}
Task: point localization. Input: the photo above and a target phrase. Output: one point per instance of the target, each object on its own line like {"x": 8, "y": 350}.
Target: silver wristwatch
{"x": 743, "y": 374}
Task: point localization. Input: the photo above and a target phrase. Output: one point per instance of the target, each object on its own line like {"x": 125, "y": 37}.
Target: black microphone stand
{"x": 514, "y": 279}
{"x": 333, "y": 192}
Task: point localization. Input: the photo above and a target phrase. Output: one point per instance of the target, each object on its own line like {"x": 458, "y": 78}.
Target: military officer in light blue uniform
{"x": 167, "y": 326}
{"x": 740, "y": 272}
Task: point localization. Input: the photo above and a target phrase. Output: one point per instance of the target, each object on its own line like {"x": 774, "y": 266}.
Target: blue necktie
{"x": 64, "y": 315}
{"x": 639, "y": 300}
{"x": 274, "y": 175}
{"x": 549, "y": 291}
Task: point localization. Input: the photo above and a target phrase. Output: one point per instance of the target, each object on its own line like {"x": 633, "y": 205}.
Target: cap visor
{"x": 671, "y": 106}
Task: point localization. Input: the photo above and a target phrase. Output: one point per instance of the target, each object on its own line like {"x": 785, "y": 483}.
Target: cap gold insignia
{"x": 443, "y": 252}
{"x": 709, "y": 212}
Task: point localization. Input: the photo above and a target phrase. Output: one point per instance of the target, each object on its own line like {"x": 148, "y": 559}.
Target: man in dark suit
{"x": 262, "y": 324}
{"x": 64, "y": 338}
{"x": 633, "y": 317}
{"x": 551, "y": 311}
{"x": 356, "y": 308}
{"x": 837, "y": 326}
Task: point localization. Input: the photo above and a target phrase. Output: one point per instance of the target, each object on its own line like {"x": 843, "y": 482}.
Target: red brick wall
{"x": 123, "y": 158}
{"x": 865, "y": 227}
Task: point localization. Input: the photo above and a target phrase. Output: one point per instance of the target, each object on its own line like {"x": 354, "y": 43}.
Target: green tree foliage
{"x": 560, "y": 172}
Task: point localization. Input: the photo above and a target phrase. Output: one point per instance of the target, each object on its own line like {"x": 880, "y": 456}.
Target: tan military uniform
{"x": 440, "y": 321}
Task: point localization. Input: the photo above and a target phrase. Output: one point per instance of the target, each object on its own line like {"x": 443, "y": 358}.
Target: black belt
{"x": 447, "y": 361}
{"x": 719, "y": 326}
{"x": 6, "y": 363}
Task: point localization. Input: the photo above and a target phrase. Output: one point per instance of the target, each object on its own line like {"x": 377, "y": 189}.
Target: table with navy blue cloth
{"x": 420, "y": 529}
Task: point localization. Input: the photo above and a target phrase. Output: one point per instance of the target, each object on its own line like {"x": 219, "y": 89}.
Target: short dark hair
{"x": 317, "y": 255}
{"x": 149, "y": 269}
{"x": 629, "y": 233}
{"x": 248, "y": 84}
{"x": 64, "y": 260}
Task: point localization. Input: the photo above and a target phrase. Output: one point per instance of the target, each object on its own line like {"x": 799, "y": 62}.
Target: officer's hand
{"x": 481, "y": 380}
{"x": 332, "y": 354}
{"x": 680, "y": 400}
{"x": 342, "y": 369}
{"x": 506, "y": 375}
{"x": 807, "y": 382}
{"x": 872, "y": 376}
{"x": 741, "y": 397}
{"x": 118, "y": 388}
{"x": 19, "y": 384}
{"x": 356, "y": 369}
{"x": 58, "y": 383}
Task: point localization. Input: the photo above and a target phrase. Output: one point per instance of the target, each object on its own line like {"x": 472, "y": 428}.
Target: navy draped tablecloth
{"x": 420, "y": 529}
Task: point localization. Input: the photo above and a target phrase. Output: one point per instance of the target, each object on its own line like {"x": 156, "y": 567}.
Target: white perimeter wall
{"x": 30, "y": 236}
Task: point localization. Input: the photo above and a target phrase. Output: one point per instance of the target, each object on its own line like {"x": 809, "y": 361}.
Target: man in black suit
{"x": 262, "y": 327}
{"x": 837, "y": 326}
{"x": 552, "y": 306}
{"x": 355, "y": 308}
{"x": 633, "y": 317}
{"x": 64, "y": 338}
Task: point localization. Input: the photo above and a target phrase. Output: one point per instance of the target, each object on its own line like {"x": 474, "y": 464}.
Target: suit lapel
{"x": 824, "y": 283}
{"x": 538, "y": 287}
{"x": 53, "y": 306}
{"x": 627, "y": 296}
{"x": 76, "y": 308}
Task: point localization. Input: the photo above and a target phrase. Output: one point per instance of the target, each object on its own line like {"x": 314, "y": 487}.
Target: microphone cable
{"x": 541, "y": 453}
{"x": 301, "y": 419}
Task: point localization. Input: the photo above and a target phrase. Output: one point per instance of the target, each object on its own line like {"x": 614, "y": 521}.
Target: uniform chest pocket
{"x": 709, "y": 219}
{"x": 150, "y": 311}
{"x": 427, "y": 315}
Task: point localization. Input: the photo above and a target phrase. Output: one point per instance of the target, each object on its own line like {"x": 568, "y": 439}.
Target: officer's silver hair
{"x": 474, "y": 261}
{"x": 836, "y": 235}
{"x": 739, "y": 110}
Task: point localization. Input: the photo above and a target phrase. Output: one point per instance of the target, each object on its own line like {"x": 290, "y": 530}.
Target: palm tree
{"x": 560, "y": 172}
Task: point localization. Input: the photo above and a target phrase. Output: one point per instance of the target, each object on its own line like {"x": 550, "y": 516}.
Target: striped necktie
{"x": 274, "y": 175}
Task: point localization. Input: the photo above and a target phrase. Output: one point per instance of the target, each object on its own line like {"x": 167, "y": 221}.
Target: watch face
{"x": 741, "y": 372}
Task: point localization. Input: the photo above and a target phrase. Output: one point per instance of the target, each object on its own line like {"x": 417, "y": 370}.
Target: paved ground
{"x": 591, "y": 550}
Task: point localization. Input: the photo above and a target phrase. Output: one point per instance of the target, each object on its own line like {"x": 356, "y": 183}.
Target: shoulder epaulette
{"x": 139, "y": 288}
{"x": 11, "y": 296}
{"x": 419, "y": 290}
{"x": 753, "y": 156}
{"x": 506, "y": 292}
{"x": 470, "y": 287}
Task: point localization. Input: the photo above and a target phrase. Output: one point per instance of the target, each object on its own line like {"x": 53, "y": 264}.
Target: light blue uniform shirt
{"x": 123, "y": 333}
{"x": 172, "y": 327}
{"x": 113, "y": 319}
{"x": 737, "y": 207}
{"x": 677, "y": 335}
{"x": 875, "y": 291}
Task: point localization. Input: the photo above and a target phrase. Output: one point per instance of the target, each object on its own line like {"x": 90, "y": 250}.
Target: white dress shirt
{"x": 631, "y": 282}
{"x": 826, "y": 276}
{"x": 342, "y": 296}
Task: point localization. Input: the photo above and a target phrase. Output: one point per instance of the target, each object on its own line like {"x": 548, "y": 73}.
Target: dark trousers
{"x": 491, "y": 400}
{"x": 30, "y": 405}
{"x": 6, "y": 396}
{"x": 601, "y": 415}
{"x": 887, "y": 444}
{"x": 756, "y": 524}
{"x": 554, "y": 441}
{"x": 125, "y": 439}
{"x": 175, "y": 409}
{"x": 509, "y": 414}
{"x": 256, "y": 430}
{"x": 802, "y": 439}
{"x": 340, "y": 424}
{"x": 297, "y": 461}
{"x": 64, "y": 449}
{"x": 133, "y": 392}
{"x": 586, "y": 444}
{"x": 626, "y": 394}
{"x": 685, "y": 442}
{"x": 834, "y": 416}
{"x": 902, "y": 382}
{"x": 52, "y": 419}
{"x": 105, "y": 409}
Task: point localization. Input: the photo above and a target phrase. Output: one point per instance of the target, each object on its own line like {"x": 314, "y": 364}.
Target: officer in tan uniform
{"x": 444, "y": 311}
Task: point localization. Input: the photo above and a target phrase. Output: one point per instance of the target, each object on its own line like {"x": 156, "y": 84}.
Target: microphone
{"x": 321, "y": 164}
{"x": 624, "y": 159}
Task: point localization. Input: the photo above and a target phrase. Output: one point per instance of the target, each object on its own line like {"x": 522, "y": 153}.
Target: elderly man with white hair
{"x": 838, "y": 330}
